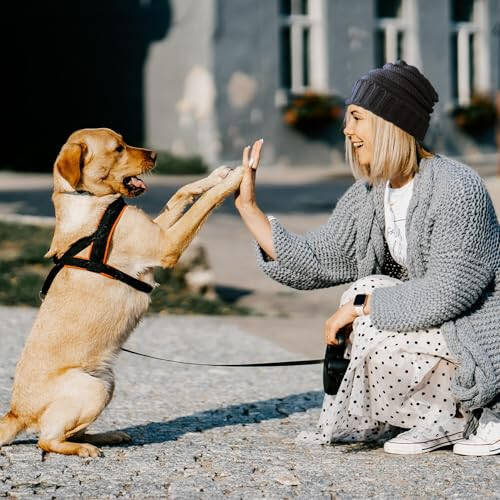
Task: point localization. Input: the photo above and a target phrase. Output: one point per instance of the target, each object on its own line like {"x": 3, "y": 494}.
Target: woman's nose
{"x": 347, "y": 128}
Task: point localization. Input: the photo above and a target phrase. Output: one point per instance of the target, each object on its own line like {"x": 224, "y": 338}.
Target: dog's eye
{"x": 119, "y": 148}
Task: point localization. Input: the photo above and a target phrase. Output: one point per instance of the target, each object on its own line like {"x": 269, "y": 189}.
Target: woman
{"x": 418, "y": 237}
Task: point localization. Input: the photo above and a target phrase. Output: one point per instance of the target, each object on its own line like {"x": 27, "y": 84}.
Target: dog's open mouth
{"x": 134, "y": 185}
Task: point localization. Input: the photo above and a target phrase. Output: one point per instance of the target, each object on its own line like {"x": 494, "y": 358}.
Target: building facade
{"x": 228, "y": 68}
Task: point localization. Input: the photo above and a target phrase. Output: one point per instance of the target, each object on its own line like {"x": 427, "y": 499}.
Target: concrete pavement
{"x": 219, "y": 432}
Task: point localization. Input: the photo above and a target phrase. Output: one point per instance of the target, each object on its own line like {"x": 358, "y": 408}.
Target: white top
{"x": 396, "y": 201}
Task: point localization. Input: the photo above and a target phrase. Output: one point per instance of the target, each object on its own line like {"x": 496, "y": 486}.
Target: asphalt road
{"x": 308, "y": 198}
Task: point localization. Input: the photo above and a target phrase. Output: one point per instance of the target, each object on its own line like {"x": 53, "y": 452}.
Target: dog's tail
{"x": 10, "y": 426}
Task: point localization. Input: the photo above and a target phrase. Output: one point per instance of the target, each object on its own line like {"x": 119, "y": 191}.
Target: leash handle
{"x": 335, "y": 365}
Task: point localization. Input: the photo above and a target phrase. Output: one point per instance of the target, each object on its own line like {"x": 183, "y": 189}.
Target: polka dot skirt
{"x": 394, "y": 380}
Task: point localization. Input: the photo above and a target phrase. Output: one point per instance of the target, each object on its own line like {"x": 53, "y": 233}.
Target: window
{"x": 390, "y": 32}
{"x": 396, "y": 32}
{"x": 302, "y": 45}
{"x": 468, "y": 50}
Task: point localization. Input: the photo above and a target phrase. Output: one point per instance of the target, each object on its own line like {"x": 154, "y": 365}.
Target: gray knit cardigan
{"x": 453, "y": 264}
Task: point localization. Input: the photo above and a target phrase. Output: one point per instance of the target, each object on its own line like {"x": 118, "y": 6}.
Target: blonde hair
{"x": 395, "y": 152}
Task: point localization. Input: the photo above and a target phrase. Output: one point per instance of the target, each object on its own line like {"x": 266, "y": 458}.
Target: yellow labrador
{"x": 64, "y": 378}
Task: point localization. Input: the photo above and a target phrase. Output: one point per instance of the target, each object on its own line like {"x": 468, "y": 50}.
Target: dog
{"x": 64, "y": 378}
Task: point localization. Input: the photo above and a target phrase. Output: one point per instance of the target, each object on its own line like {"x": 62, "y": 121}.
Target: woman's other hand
{"x": 344, "y": 316}
{"x": 245, "y": 196}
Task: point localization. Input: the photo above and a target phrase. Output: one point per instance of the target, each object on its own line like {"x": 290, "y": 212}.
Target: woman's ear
{"x": 69, "y": 162}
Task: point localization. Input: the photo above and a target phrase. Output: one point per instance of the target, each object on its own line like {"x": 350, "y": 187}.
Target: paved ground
{"x": 212, "y": 432}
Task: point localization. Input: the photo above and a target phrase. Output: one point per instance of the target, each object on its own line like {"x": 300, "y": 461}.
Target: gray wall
{"x": 245, "y": 65}
{"x": 180, "y": 88}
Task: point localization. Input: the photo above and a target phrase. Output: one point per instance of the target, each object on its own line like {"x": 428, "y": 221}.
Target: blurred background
{"x": 197, "y": 80}
{"x": 205, "y": 77}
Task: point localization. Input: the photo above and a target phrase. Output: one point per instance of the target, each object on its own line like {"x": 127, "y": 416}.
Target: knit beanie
{"x": 400, "y": 94}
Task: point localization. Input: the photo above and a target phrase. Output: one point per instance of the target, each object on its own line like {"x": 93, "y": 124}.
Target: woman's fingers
{"x": 246, "y": 152}
{"x": 250, "y": 161}
{"x": 255, "y": 156}
{"x": 248, "y": 181}
{"x": 330, "y": 333}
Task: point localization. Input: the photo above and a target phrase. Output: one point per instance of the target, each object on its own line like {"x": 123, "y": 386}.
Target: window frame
{"x": 477, "y": 62}
{"x": 314, "y": 21}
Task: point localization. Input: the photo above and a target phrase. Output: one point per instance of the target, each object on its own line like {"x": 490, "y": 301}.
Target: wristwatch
{"x": 359, "y": 303}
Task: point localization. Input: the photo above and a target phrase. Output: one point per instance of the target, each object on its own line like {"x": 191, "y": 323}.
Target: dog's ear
{"x": 69, "y": 162}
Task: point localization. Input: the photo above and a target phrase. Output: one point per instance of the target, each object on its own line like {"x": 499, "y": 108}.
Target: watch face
{"x": 359, "y": 300}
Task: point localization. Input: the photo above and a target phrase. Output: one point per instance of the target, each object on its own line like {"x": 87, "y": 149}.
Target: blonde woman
{"x": 418, "y": 238}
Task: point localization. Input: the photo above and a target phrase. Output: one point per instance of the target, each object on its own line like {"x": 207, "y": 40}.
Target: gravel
{"x": 213, "y": 432}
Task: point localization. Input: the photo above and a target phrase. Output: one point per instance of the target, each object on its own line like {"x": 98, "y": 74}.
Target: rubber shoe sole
{"x": 406, "y": 448}
{"x": 476, "y": 450}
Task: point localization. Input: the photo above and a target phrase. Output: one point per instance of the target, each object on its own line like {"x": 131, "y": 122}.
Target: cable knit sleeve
{"x": 463, "y": 246}
{"x": 321, "y": 258}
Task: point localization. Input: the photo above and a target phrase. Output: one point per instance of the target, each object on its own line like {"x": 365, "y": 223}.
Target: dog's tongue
{"x": 138, "y": 183}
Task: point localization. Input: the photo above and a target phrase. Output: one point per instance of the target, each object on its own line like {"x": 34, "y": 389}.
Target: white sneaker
{"x": 486, "y": 440}
{"x": 425, "y": 439}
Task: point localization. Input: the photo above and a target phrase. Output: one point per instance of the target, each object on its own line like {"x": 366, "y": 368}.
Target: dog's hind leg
{"x": 79, "y": 403}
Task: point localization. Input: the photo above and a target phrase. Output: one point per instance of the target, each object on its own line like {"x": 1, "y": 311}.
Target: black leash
{"x": 248, "y": 365}
{"x": 334, "y": 365}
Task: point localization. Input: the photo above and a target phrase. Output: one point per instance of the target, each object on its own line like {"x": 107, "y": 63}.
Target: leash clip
{"x": 41, "y": 296}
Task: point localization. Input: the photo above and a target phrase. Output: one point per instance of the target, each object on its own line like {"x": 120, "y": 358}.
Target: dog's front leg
{"x": 184, "y": 230}
{"x": 186, "y": 195}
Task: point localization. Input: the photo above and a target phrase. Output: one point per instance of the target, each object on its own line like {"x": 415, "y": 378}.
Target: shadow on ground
{"x": 239, "y": 414}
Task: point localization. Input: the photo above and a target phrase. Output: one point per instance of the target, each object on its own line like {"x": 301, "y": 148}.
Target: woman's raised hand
{"x": 245, "y": 196}
{"x": 246, "y": 203}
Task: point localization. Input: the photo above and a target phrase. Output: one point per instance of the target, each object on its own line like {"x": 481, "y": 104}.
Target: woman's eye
{"x": 119, "y": 149}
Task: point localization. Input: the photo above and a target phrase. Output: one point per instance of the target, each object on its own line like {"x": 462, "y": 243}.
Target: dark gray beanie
{"x": 400, "y": 94}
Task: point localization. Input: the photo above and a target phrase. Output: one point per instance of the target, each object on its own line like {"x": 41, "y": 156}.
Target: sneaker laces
{"x": 439, "y": 430}
{"x": 417, "y": 434}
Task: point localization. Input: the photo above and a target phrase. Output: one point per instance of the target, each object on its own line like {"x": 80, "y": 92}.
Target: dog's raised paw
{"x": 220, "y": 172}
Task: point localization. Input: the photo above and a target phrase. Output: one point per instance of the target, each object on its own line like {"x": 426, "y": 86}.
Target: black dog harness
{"x": 99, "y": 243}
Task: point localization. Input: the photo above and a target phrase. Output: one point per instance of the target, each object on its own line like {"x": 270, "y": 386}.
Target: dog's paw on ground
{"x": 88, "y": 451}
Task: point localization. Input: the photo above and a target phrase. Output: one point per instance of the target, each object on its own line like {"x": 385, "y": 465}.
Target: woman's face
{"x": 359, "y": 130}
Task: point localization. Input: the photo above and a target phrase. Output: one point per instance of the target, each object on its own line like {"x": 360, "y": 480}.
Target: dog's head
{"x": 100, "y": 162}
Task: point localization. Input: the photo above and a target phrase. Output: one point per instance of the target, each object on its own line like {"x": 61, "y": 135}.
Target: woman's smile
{"x": 358, "y": 130}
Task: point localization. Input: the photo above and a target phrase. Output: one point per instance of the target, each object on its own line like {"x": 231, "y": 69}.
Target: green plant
{"x": 310, "y": 113}
{"x": 170, "y": 164}
{"x": 476, "y": 118}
